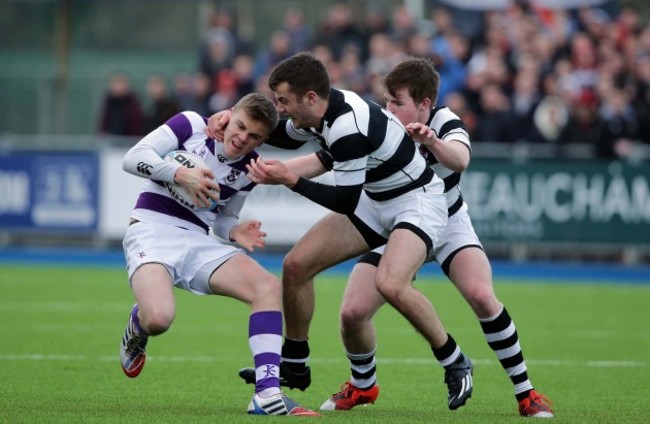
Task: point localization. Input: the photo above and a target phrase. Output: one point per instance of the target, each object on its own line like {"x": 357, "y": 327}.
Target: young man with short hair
{"x": 167, "y": 243}
{"x": 411, "y": 91}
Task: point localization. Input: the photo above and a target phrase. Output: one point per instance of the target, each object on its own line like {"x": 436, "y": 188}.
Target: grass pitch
{"x": 587, "y": 348}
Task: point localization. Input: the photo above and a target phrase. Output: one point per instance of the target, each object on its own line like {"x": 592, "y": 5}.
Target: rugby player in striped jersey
{"x": 411, "y": 91}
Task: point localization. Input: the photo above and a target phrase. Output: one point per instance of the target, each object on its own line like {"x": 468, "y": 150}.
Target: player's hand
{"x": 270, "y": 171}
{"x": 200, "y": 183}
{"x": 421, "y": 133}
{"x": 248, "y": 234}
{"x": 217, "y": 124}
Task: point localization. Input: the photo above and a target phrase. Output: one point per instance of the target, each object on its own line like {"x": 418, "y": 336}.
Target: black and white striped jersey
{"x": 448, "y": 126}
{"x": 368, "y": 144}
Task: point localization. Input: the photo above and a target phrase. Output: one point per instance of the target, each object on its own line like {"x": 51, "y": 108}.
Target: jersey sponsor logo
{"x": 178, "y": 197}
{"x": 144, "y": 168}
{"x": 183, "y": 160}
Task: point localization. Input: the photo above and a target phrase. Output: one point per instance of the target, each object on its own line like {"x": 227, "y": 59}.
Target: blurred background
{"x": 555, "y": 95}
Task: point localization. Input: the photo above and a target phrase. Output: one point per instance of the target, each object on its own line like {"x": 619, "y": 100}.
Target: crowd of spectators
{"x": 524, "y": 73}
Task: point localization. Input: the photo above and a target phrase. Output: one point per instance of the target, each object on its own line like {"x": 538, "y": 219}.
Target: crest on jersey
{"x": 233, "y": 175}
{"x": 428, "y": 156}
{"x": 221, "y": 158}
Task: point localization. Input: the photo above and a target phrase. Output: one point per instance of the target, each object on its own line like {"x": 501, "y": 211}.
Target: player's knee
{"x": 293, "y": 268}
{"x": 157, "y": 321}
{"x": 389, "y": 289}
{"x": 483, "y": 301}
{"x": 353, "y": 315}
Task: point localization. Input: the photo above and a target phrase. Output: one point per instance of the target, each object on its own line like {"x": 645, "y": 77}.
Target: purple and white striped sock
{"x": 265, "y": 340}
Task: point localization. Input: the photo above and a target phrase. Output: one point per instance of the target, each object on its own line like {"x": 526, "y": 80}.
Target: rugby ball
{"x": 178, "y": 192}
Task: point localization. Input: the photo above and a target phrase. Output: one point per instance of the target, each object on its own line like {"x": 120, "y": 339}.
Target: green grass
{"x": 587, "y": 348}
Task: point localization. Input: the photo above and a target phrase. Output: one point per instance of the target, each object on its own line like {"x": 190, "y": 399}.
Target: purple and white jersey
{"x": 185, "y": 131}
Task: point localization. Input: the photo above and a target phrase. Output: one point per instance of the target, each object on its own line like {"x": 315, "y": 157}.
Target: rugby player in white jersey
{"x": 167, "y": 244}
{"x": 384, "y": 194}
{"x": 411, "y": 91}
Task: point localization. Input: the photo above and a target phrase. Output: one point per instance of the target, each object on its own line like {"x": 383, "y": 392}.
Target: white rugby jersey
{"x": 369, "y": 146}
{"x": 448, "y": 126}
{"x": 185, "y": 131}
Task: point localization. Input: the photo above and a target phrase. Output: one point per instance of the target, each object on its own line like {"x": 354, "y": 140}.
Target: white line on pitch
{"x": 383, "y": 361}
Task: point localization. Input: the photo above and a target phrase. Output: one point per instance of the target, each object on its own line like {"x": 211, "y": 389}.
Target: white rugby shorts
{"x": 425, "y": 209}
{"x": 458, "y": 233}
{"x": 189, "y": 256}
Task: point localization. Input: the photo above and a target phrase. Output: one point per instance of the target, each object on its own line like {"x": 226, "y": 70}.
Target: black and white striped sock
{"x": 363, "y": 368}
{"x": 449, "y": 353}
{"x": 501, "y": 335}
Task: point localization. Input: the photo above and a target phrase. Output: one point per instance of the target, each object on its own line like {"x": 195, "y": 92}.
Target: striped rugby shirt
{"x": 448, "y": 126}
{"x": 185, "y": 131}
{"x": 369, "y": 147}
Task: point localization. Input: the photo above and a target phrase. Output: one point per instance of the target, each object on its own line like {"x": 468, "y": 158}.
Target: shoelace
{"x": 136, "y": 341}
{"x": 540, "y": 398}
{"x": 345, "y": 390}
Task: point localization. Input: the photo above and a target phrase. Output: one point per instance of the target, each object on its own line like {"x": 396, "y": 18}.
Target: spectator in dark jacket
{"x": 121, "y": 109}
{"x": 162, "y": 105}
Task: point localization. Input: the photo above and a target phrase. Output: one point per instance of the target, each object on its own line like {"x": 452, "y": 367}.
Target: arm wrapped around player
{"x": 284, "y": 136}
{"x": 341, "y": 199}
{"x": 326, "y": 159}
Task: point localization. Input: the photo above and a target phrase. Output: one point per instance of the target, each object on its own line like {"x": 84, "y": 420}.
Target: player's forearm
{"x": 145, "y": 158}
{"x": 454, "y": 155}
{"x": 223, "y": 226}
{"x": 228, "y": 217}
{"x": 341, "y": 199}
{"x": 308, "y": 166}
